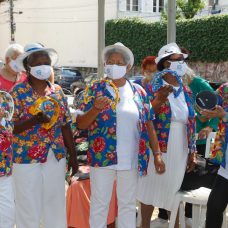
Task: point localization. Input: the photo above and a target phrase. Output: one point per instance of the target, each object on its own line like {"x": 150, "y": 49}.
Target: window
{"x": 158, "y": 5}
{"x": 161, "y": 5}
{"x": 132, "y": 5}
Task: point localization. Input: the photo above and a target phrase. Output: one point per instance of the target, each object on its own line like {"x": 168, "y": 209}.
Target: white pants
{"x": 40, "y": 194}
{"x": 102, "y": 180}
{"x": 7, "y": 205}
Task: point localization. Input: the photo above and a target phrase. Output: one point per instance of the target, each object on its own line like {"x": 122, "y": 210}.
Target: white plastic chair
{"x": 198, "y": 198}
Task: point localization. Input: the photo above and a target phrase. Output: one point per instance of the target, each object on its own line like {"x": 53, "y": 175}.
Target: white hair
{"x": 188, "y": 76}
{"x": 126, "y": 57}
{"x": 12, "y": 49}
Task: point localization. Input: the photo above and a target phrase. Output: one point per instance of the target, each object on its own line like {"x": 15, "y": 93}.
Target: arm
{"x": 158, "y": 162}
{"x": 21, "y": 126}
{"x": 85, "y": 120}
{"x": 69, "y": 144}
{"x": 161, "y": 96}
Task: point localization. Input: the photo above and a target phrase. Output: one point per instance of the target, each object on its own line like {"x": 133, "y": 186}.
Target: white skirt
{"x": 159, "y": 189}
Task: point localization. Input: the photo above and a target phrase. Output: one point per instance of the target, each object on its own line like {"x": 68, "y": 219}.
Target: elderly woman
{"x": 10, "y": 73}
{"x": 148, "y": 68}
{"x": 218, "y": 198}
{"x": 42, "y": 137}
{"x": 119, "y": 118}
{"x": 7, "y": 205}
{"x": 174, "y": 121}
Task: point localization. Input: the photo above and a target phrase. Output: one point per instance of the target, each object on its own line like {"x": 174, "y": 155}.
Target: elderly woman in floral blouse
{"x": 119, "y": 118}
{"x": 175, "y": 127}
{"x": 41, "y": 141}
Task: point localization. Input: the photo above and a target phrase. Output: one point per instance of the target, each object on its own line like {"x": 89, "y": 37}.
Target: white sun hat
{"x": 118, "y": 47}
{"x": 167, "y": 50}
{"x": 36, "y": 47}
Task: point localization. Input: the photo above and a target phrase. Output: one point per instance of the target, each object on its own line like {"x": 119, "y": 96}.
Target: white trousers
{"x": 40, "y": 194}
{"x": 102, "y": 180}
{"x": 7, "y": 205}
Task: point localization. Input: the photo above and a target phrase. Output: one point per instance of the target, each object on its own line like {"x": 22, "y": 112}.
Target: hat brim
{"x": 50, "y": 51}
{"x": 159, "y": 58}
{"x": 120, "y": 48}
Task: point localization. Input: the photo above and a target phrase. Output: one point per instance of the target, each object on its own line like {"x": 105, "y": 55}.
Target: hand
{"x": 203, "y": 134}
{"x": 191, "y": 162}
{"x": 73, "y": 164}
{"x": 164, "y": 92}
{"x": 101, "y": 102}
{"x": 159, "y": 164}
{"x": 217, "y": 112}
{"x": 41, "y": 118}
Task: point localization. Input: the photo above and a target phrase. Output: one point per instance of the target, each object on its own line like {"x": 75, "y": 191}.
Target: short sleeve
{"x": 17, "y": 105}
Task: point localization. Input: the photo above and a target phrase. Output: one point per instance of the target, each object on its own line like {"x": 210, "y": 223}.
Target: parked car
{"x": 65, "y": 76}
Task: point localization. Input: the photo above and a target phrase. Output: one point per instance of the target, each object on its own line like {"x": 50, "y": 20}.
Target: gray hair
{"x": 188, "y": 76}
{"x": 12, "y": 49}
{"x": 126, "y": 57}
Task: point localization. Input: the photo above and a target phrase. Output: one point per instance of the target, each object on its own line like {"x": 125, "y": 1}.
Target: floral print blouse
{"x": 102, "y": 132}
{"x": 33, "y": 145}
{"x": 163, "y": 120}
{"x": 218, "y": 155}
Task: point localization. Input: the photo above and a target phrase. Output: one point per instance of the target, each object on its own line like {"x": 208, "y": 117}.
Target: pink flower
{"x": 111, "y": 130}
{"x": 5, "y": 140}
{"x": 105, "y": 117}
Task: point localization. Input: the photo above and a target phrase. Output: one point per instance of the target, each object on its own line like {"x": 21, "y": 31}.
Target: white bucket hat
{"x": 36, "y": 47}
{"x": 118, "y": 47}
{"x": 167, "y": 50}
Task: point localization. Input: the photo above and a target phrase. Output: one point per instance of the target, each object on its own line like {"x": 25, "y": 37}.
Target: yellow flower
{"x": 18, "y": 160}
{"x": 19, "y": 151}
{"x": 29, "y": 143}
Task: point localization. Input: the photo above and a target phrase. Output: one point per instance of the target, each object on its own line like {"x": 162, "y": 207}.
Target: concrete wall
{"x": 69, "y": 28}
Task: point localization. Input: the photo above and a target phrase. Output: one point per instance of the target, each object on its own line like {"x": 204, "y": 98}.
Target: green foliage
{"x": 186, "y": 9}
{"x": 206, "y": 38}
{"x": 190, "y": 8}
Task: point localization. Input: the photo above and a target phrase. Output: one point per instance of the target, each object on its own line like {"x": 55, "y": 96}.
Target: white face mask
{"x": 13, "y": 65}
{"x": 180, "y": 68}
{"x": 42, "y": 72}
{"x": 115, "y": 72}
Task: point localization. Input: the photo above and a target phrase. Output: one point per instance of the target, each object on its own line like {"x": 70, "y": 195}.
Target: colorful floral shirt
{"x": 102, "y": 132}
{"x": 6, "y": 140}
{"x": 218, "y": 152}
{"x": 32, "y": 145}
{"x": 163, "y": 120}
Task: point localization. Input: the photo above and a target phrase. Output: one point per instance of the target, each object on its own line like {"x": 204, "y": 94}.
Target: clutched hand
{"x": 159, "y": 164}
{"x": 101, "y": 102}
{"x": 217, "y": 112}
{"x": 164, "y": 92}
{"x": 203, "y": 134}
{"x": 41, "y": 118}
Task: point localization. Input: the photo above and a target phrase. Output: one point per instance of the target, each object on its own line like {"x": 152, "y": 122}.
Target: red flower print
{"x": 42, "y": 132}
{"x": 36, "y": 152}
{"x": 98, "y": 144}
{"x": 5, "y": 140}
{"x": 142, "y": 146}
{"x": 89, "y": 158}
{"x": 162, "y": 145}
{"x": 164, "y": 109}
{"x": 163, "y": 135}
{"x": 105, "y": 117}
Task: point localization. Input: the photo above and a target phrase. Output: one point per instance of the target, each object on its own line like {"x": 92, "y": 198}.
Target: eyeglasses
{"x": 180, "y": 61}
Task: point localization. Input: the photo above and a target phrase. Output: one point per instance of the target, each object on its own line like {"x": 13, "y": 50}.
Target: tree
{"x": 189, "y": 8}
{"x": 186, "y": 9}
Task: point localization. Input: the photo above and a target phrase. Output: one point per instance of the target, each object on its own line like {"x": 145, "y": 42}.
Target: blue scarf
{"x": 158, "y": 82}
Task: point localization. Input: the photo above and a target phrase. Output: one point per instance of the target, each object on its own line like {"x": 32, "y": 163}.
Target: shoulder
{"x": 139, "y": 88}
